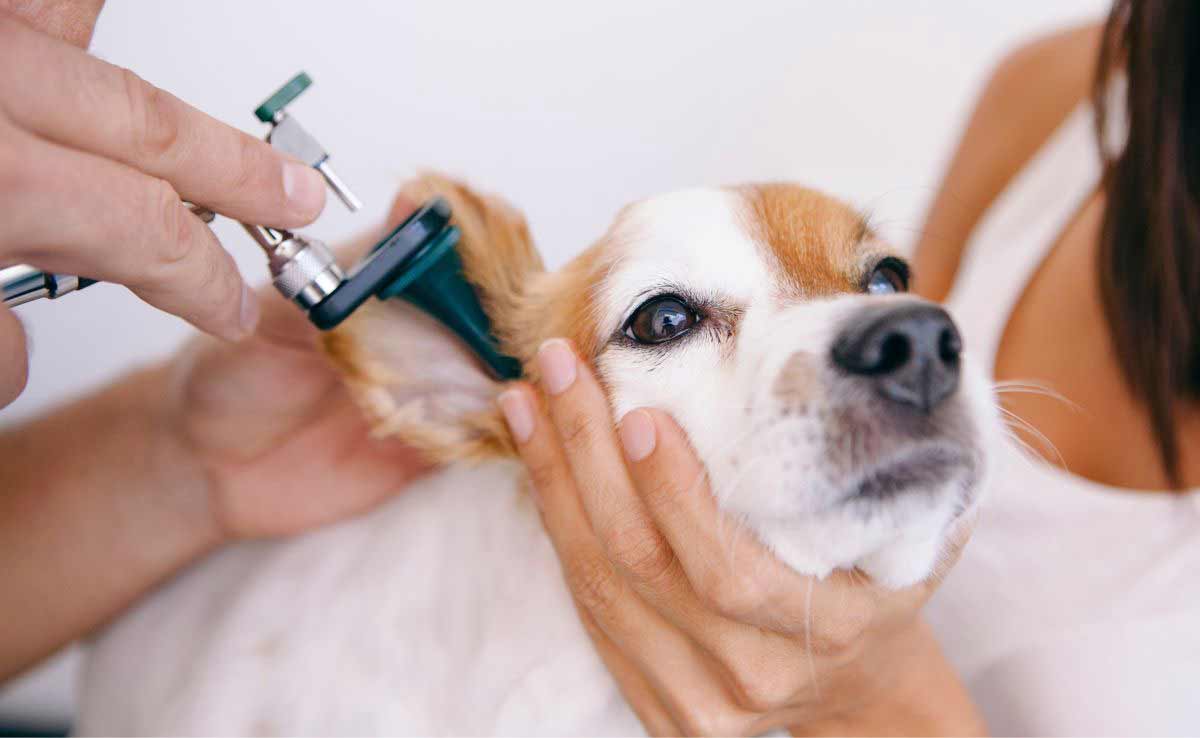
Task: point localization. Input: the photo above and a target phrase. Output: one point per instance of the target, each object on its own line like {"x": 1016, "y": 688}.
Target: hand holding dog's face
{"x": 708, "y": 633}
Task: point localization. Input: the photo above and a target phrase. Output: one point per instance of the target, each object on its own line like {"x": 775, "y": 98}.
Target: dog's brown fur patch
{"x": 812, "y": 237}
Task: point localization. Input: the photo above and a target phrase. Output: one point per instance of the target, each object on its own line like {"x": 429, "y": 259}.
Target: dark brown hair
{"x": 1149, "y": 251}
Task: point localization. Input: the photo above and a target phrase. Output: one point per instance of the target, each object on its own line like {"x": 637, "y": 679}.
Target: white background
{"x": 569, "y": 110}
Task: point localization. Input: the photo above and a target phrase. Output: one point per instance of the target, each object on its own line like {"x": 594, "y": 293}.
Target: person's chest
{"x": 1057, "y": 337}
{"x": 1072, "y": 609}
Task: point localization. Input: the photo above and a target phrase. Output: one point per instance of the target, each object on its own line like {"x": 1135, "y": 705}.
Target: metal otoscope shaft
{"x": 22, "y": 283}
{"x": 303, "y": 269}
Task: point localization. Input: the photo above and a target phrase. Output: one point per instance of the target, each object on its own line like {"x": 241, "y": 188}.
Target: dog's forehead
{"x": 696, "y": 239}
{"x": 741, "y": 243}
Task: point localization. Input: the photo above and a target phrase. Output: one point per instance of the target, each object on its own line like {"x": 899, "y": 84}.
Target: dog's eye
{"x": 889, "y": 276}
{"x": 660, "y": 319}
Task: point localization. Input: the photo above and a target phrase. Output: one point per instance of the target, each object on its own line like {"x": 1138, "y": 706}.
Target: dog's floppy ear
{"x": 413, "y": 377}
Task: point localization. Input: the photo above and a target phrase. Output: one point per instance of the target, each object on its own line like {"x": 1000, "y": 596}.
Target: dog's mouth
{"x": 927, "y": 468}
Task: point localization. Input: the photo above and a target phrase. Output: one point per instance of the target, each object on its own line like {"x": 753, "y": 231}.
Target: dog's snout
{"x": 911, "y": 353}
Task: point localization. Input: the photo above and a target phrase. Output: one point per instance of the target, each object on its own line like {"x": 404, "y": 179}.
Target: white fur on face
{"x": 788, "y": 440}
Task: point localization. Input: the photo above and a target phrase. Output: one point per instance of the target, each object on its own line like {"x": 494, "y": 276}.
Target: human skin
{"x": 704, "y": 634}
{"x": 105, "y": 199}
{"x": 106, "y": 497}
{"x": 1057, "y": 334}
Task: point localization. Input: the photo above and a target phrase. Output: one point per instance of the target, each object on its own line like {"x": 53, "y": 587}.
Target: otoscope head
{"x": 418, "y": 261}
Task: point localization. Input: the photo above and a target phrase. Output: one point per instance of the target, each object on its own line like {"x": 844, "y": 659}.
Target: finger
{"x": 676, "y": 670}
{"x": 756, "y": 667}
{"x": 634, "y": 686}
{"x": 14, "y": 357}
{"x": 71, "y": 20}
{"x": 727, "y": 566}
{"x": 580, "y": 413}
{"x": 67, "y": 96}
{"x": 67, "y": 211}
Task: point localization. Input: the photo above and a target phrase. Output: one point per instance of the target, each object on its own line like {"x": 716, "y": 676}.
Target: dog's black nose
{"x": 910, "y": 351}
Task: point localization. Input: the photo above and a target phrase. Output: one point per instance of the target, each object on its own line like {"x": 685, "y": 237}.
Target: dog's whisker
{"x": 1021, "y": 423}
{"x": 1018, "y": 387}
{"x": 808, "y": 626}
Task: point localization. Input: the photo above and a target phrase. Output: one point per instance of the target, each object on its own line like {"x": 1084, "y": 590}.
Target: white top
{"x": 1076, "y": 606}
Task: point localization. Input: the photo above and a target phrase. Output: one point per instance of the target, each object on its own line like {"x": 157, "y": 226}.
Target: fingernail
{"x": 304, "y": 189}
{"x": 637, "y": 434}
{"x": 249, "y": 313}
{"x": 557, "y": 363}
{"x": 517, "y": 414}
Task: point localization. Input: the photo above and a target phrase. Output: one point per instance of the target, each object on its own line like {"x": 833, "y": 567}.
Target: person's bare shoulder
{"x": 1043, "y": 79}
{"x": 1031, "y": 90}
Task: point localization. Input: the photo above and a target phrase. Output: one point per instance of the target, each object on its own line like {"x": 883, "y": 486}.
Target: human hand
{"x": 705, "y": 630}
{"x": 270, "y": 431}
{"x": 117, "y": 491}
{"x": 94, "y": 166}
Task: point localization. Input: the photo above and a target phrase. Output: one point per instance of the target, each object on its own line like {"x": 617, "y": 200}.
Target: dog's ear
{"x": 413, "y": 377}
{"x": 416, "y": 379}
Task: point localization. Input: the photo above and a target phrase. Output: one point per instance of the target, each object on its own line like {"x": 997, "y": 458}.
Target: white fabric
{"x": 1076, "y": 607}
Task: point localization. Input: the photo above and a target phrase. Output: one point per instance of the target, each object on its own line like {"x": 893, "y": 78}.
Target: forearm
{"x": 923, "y": 697}
{"x": 97, "y": 506}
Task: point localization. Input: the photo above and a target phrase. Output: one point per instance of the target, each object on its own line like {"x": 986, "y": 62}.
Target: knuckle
{"x": 729, "y": 594}
{"x": 595, "y": 584}
{"x": 841, "y": 637}
{"x": 578, "y": 431}
{"x": 176, "y": 244}
{"x": 643, "y": 552}
{"x": 760, "y": 689}
{"x": 699, "y": 718}
{"x": 249, "y": 161}
{"x": 543, "y": 474}
{"x": 663, "y": 494}
{"x": 153, "y": 125}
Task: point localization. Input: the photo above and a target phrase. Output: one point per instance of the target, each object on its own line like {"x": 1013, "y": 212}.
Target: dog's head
{"x": 837, "y": 416}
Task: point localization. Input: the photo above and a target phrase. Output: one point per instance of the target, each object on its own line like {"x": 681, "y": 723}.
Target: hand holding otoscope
{"x": 415, "y": 261}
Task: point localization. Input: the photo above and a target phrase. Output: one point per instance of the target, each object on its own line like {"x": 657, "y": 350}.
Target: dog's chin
{"x": 891, "y": 522}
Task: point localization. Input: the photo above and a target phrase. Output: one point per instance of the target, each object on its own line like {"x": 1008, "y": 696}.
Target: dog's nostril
{"x": 894, "y": 353}
{"x": 909, "y": 352}
{"x": 949, "y": 345}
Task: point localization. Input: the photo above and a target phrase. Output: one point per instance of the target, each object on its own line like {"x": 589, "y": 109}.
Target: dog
{"x": 840, "y": 420}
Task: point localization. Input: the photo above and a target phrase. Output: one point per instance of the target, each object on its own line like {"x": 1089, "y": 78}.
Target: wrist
{"x": 176, "y": 485}
{"x": 906, "y": 687}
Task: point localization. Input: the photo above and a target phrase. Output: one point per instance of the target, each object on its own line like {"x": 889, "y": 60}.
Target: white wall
{"x": 570, "y": 110}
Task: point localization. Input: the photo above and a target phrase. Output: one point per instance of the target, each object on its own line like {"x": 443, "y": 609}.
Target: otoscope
{"x": 417, "y": 261}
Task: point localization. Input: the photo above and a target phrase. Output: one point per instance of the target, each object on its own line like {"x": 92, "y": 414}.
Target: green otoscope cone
{"x": 433, "y": 281}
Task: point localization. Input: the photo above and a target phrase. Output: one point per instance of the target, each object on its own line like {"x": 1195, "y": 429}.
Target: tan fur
{"x": 497, "y": 252}
{"x": 812, "y": 237}
{"x": 500, "y": 260}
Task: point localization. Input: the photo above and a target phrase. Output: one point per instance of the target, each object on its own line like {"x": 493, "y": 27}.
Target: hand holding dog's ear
{"x": 704, "y": 629}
